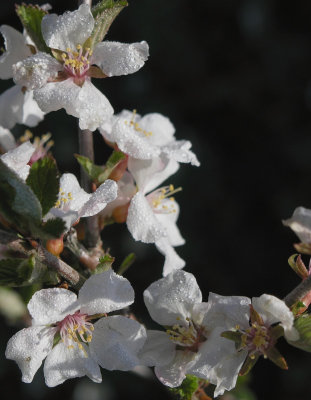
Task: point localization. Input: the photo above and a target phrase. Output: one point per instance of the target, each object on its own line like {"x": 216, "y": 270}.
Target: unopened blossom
{"x": 300, "y": 223}
{"x": 18, "y": 159}
{"x": 147, "y": 137}
{"x": 64, "y": 81}
{"x": 192, "y": 343}
{"x": 73, "y": 202}
{"x": 63, "y": 331}
{"x": 16, "y": 104}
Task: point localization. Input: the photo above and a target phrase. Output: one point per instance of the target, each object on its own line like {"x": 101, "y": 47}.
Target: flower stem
{"x": 299, "y": 292}
{"x": 86, "y": 148}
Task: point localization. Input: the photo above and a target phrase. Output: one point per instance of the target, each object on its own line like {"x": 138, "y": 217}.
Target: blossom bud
{"x": 119, "y": 170}
{"x": 119, "y": 214}
{"x": 55, "y": 246}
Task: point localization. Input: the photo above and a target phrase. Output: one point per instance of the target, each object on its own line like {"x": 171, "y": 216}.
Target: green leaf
{"x": 31, "y": 18}
{"x": 43, "y": 179}
{"x": 89, "y": 167}
{"x": 126, "y": 263}
{"x": 113, "y": 161}
{"x": 303, "y": 326}
{"x": 18, "y": 203}
{"x": 105, "y": 263}
{"x": 104, "y": 14}
{"x": 16, "y": 271}
{"x": 186, "y": 390}
{"x": 54, "y": 228}
{"x": 97, "y": 173}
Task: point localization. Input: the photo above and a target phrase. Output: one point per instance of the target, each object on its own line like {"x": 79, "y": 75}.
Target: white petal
{"x": 172, "y": 298}
{"x": 174, "y": 373}
{"x": 141, "y": 221}
{"x": 69, "y": 184}
{"x": 179, "y": 150}
{"x": 116, "y": 342}
{"x": 69, "y": 217}
{"x": 105, "y": 292}
{"x": 15, "y": 50}
{"x": 36, "y": 70}
{"x": 68, "y": 30}
{"x": 227, "y": 311}
{"x": 18, "y": 158}
{"x": 28, "y": 348}
{"x": 7, "y": 140}
{"x": 17, "y": 106}
{"x": 274, "y": 310}
{"x": 66, "y": 363}
{"x": 161, "y": 128}
{"x": 219, "y": 362}
{"x": 149, "y": 174}
{"x": 130, "y": 139}
{"x": 86, "y": 103}
{"x": 172, "y": 260}
{"x": 158, "y": 349}
{"x": 116, "y": 58}
{"x": 300, "y": 223}
{"x": 168, "y": 220}
{"x": 48, "y": 306}
{"x": 106, "y": 193}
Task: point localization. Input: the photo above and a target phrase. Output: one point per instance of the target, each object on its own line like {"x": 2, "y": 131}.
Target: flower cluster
{"x": 71, "y": 329}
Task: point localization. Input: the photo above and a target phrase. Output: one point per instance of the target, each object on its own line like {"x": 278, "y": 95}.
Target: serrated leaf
{"x": 126, "y": 263}
{"x": 104, "y": 14}
{"x": 16, "y": 271}
{"x": 18, "y": 203}
{"x": 303, "y": 326}
{"x": 51, "y": 229}
{"x": 43, "y": 179}
{"x": 31, "y": 18}
{"x": 186, "y": 390}
{"x": 89, "y": 167}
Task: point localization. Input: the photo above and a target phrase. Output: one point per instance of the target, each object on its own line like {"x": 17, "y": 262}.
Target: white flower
{"x": 300, "y": 223}
{"x": 192, "y": 343}
{"x": 147, "y": 137}
{"x": 17, "y": 159}
{"x": 65, "y": 83}
{"x": 255, "y": 326}
{"x": 152, "y": 216}
{"x": 73, "y": 202}
{"x": 16, "y": 104}
{"x": 111, "y": 342}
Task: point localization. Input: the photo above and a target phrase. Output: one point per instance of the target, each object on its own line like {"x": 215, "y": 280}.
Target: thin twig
{"x": 299, "y": 292}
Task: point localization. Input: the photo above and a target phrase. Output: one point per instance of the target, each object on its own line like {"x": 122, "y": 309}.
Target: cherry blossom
{"x": 64, "y": 81}
{"x": 73, "y": 202}
{"x": 18, "y": 158}
{"x": 147, "y": 137}
{"x": 64, "y": 333}
{"x": 16, "y": 104}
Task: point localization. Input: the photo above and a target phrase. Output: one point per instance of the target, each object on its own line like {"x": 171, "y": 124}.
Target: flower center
{"x": 42, "y": 145}
{"x": 77, "y": 63}
{"x": 75, "y": 330}
{"x": 63, "y": 198}
{"x": 187, "y": 336}
{"x": 156, "y": 199}
{"x": 136, "y": 126}
{"x": 256, "y": 338}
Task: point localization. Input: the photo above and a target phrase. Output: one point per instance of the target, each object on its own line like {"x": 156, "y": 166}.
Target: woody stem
{"x": 86, "y": 148}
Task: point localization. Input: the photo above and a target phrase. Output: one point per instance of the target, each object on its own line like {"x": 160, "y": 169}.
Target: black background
{"x": 235, "y": 78}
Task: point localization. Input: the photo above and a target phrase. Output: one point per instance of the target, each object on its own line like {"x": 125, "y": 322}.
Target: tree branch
{"x": 299, "y": 292}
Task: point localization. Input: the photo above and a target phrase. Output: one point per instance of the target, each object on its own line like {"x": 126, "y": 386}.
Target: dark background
{"x": 235, "y": 78}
